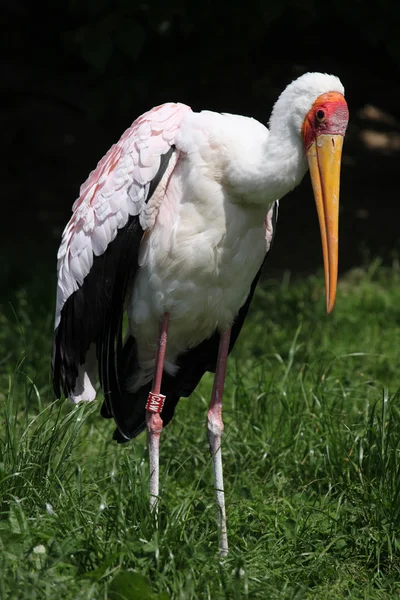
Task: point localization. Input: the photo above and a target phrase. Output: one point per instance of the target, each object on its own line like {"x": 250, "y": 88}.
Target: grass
{"x": 311, "y": 462}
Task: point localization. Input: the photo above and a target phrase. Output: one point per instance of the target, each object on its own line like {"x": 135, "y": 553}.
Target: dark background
{"x": 76, "y": 74}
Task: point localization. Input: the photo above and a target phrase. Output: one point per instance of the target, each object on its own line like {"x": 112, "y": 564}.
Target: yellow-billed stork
{"x": 173, "y": 226}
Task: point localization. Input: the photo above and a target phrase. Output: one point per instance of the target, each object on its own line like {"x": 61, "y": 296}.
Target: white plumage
{"x": 173, "y": 226}
{"x": 208, "y": 240}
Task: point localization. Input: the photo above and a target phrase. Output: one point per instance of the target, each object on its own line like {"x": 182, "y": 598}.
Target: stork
{"x": 173, "y": 227}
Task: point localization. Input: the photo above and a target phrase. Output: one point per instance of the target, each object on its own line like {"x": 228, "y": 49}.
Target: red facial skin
{"x": 333, "y": 121}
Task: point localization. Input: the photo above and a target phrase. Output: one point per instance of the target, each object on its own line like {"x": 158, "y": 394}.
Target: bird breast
{"x": 197, "y": 264}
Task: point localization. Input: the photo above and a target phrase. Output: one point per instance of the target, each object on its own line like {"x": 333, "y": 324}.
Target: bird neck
{"x": 266, "y": 168}
{"x": 284, "y": 162}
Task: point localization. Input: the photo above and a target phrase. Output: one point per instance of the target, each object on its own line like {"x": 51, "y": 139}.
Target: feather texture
{"x": 177, "y": 217}
{"x": 117, "y": 189}
{"x": 98, "y": 254}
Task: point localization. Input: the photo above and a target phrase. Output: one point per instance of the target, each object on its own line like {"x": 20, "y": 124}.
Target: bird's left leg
{"x": 154, "y": 407}
{"x": 215, "y": 430}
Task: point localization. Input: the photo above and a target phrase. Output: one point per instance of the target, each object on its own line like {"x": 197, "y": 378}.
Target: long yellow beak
{"x": 324, "y": 159}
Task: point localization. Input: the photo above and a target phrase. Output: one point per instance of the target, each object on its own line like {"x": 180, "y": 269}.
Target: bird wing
{"x": 98, "y": 255}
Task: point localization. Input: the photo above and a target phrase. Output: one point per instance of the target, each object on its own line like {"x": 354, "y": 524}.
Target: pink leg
{"x": 154, "y": 406}
{"x": 215, "y": 430}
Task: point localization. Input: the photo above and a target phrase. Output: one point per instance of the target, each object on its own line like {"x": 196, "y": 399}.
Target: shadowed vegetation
{"x": 311, "y": 458}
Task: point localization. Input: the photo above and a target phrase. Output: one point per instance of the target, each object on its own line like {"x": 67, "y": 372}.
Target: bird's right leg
{"x": 154, "y": 407}
{"x": 215, "y": 428}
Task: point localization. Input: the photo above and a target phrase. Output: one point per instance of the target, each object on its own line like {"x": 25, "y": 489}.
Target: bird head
{"x": 323, "y": 131}
{"x": 319, "y": 113}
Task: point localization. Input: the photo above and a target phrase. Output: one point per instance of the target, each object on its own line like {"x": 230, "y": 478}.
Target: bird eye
{"x": 320, "y": 115}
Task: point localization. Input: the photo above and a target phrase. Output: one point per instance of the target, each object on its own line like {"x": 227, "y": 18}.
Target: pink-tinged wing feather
{"x": 114, "y": 191}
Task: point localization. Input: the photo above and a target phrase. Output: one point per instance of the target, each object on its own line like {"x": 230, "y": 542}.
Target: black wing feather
{"x": 85, "y": 316}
